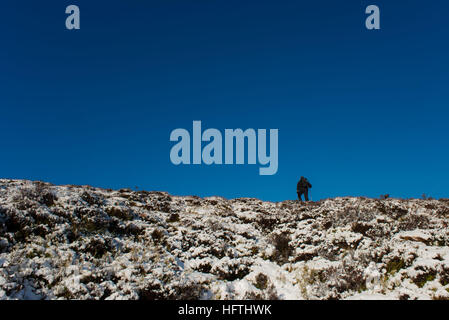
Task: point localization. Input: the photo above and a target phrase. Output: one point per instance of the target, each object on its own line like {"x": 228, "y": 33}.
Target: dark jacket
{"x": 303, "y": 184}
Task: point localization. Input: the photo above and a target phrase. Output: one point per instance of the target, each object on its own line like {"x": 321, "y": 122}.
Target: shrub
{"x": 174, "y": 217}
{"x": 153, "y": 291}
{"x": 414, "y": 221}
{"x": 425, "y": 277}
{"x": 425, "y": 197}
{"x": 360, "y": 227}
{"x": 119, "y": 212}
{"x": 395, "y": 265}
{"x": 444, "y": 276}
{"x": 186, "y": 290}
{"x": 267, "y": 223}
{"x": 231, "y": 270}
{"x": 48, "y": 198}
{"x": 282, "y": 246}
{"x": 352, "y": 278}
{"x": 97, "y": 247}
{"x": 261, "y": 281}
{"x": 157, "y": 235}
{"x": 91, "y": 199}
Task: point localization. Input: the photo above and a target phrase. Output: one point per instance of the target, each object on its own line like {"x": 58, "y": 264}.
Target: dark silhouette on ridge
{"x": 302, "y": 188}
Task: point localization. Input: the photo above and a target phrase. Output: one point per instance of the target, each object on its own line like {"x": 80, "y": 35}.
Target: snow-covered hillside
{"x": 79, "y": 242}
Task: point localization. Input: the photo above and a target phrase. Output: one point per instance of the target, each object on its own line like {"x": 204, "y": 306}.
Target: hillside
{"x": 79, "y": 242}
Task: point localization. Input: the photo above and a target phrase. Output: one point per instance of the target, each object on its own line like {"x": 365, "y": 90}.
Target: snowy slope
{"x": 79, "y": 242}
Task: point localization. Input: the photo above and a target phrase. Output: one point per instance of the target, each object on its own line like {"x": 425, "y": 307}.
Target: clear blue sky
{"x": 359, "y": 112}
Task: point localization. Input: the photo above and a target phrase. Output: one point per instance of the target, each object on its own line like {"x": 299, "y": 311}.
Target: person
{"x": 302, "y": 188}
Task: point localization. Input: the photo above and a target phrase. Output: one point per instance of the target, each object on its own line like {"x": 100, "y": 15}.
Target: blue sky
{"x": 359, "y": 112}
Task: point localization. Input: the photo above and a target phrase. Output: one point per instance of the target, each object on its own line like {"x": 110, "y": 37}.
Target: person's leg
{"x": 299, "y": 195}
{"x": 306, "y": 194}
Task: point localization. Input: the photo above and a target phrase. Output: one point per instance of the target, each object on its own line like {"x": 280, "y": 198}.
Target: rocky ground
{"x": 79, "y": 242}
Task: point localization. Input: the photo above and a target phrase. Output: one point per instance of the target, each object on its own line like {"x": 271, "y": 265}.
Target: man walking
{"x": 303, "y": 188}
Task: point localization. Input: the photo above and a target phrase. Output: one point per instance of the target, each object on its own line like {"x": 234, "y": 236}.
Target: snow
{"x": 79, "y": 242}
{"x": 369, "y": 296}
